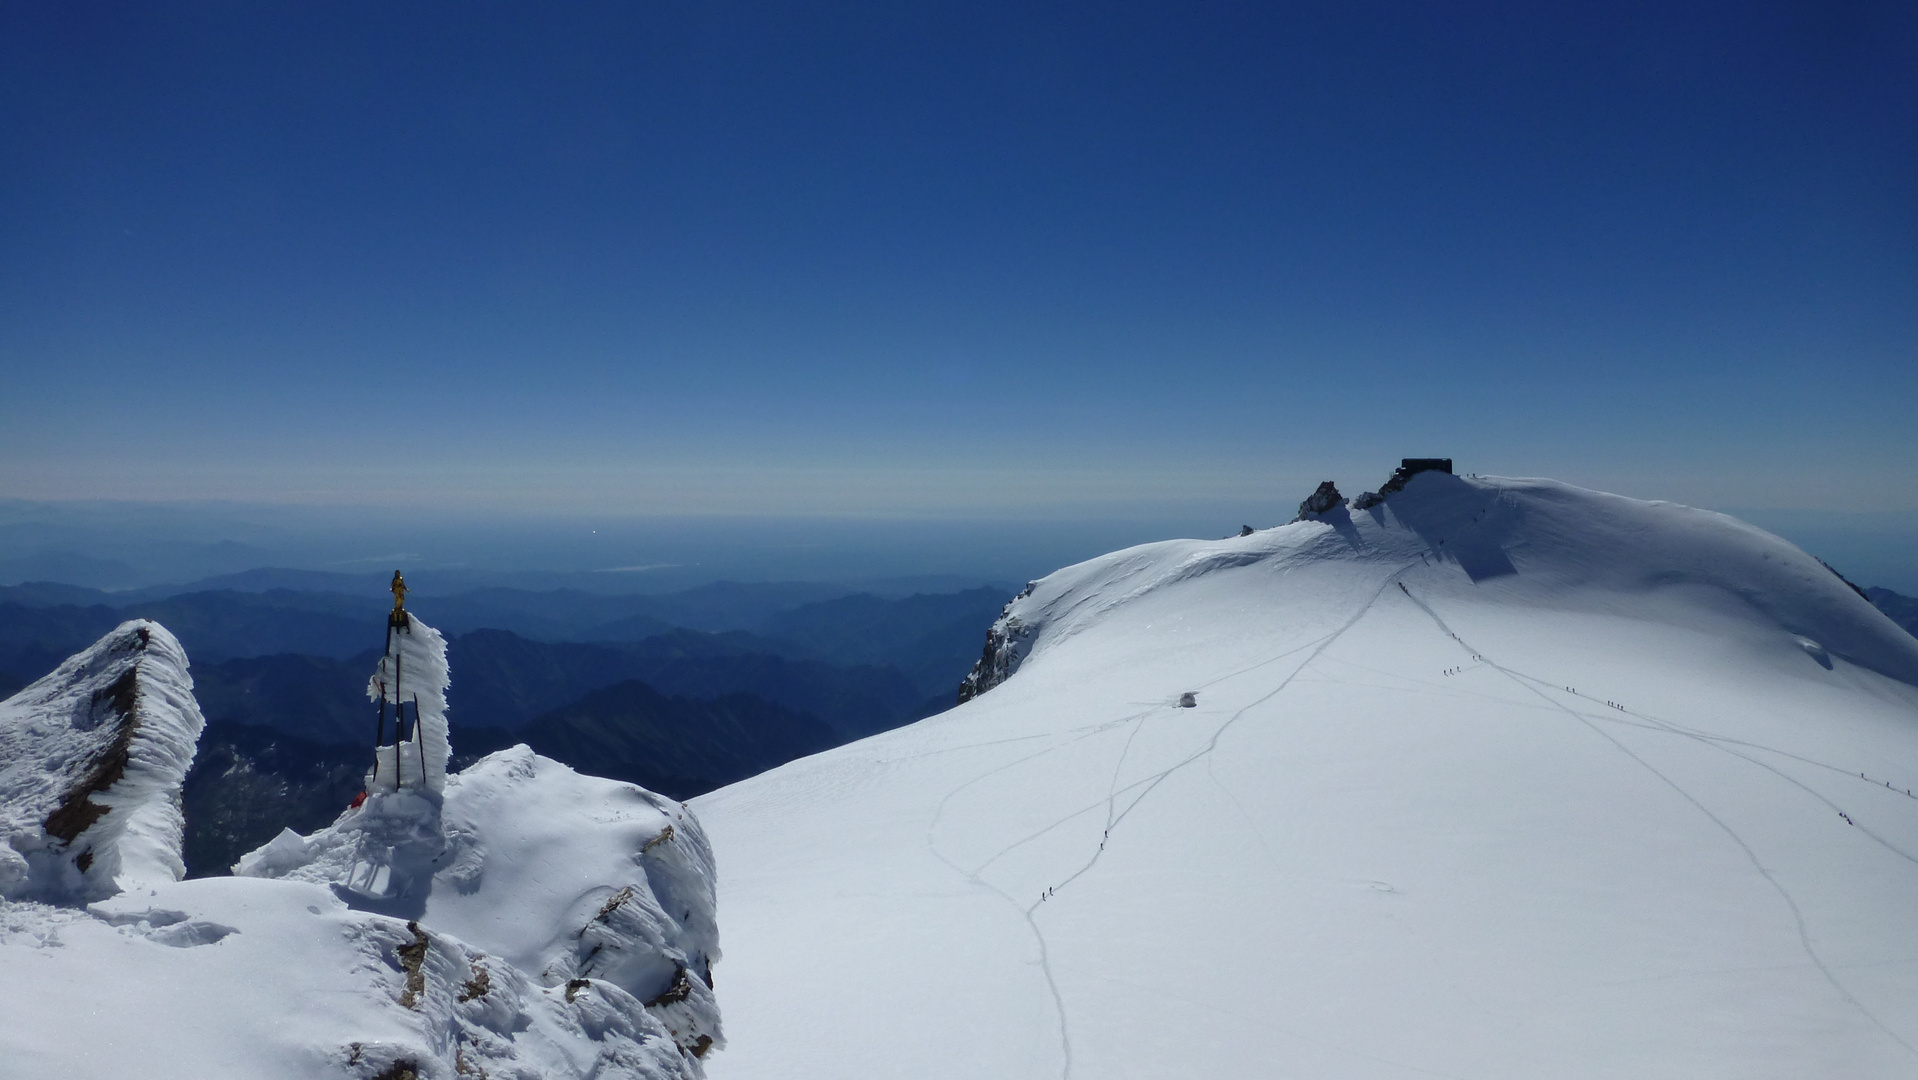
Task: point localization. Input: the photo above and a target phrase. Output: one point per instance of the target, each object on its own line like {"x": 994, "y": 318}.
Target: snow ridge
{"x": 1540, "y": 541}
{"x": 91, "y": 761}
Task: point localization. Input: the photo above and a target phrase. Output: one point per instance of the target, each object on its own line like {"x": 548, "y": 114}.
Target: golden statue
{"x": 398, "y": 618}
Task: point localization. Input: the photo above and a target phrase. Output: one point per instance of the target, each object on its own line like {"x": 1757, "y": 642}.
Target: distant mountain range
{"x": 250, "y": 781}
{"x": 772, "y": 672}
{"x": 926, "y": 637}
{"x": 678, "y": 746}
{"x": 680, "y": 692}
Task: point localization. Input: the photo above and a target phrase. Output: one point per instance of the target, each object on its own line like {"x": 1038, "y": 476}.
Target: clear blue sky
{"x": 954, "y": 259}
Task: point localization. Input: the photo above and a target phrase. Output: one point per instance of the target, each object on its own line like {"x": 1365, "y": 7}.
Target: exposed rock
{"x": 1408, "y": 468}
{"x": 627, "y": 882}
{"x": 91, "y": 762}
{"x": 1006, "y": 644}
{"x": 1327, "y": 497}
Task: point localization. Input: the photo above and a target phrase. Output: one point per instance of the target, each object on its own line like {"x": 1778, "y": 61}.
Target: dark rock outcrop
{"x": 91, "y": 761}
{"x": 1006, "y": 645}
{"x": 1326, "y": 498}
{"x": 1408, "y": 468}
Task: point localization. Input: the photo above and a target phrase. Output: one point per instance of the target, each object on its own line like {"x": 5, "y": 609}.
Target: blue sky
{"x": 964, "y": 260}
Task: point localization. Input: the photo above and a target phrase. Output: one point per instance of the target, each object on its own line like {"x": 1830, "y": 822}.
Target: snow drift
{"x": 1493, "y": 778}
{"x": 91, "y": 762}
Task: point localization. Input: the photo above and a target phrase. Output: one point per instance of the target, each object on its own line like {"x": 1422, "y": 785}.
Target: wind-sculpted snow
{"x": 413, "y": 675}
{"x": 523, "y": 922}
{"x": 384, "y": 854}
{"x": 1496, "y": 778}
{"x": 91, "y": 762}
{"x": 568, "y": 878}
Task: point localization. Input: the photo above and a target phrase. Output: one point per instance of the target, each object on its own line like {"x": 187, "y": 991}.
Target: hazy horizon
{"x": 982, "y": 261}
{"x": 125, "y": 545}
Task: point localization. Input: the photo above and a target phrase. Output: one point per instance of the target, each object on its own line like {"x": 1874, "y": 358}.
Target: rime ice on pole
{"x": 409, "y": 683}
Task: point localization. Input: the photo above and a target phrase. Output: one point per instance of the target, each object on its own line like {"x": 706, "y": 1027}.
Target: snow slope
{"x": 1501, "y": 778}
{"x": 91, "y": 761}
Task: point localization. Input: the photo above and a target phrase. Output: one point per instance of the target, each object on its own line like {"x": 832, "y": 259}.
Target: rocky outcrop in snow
{"x": 578, "y": 885}
{"x": 516, "y": 919}
{"x": 1007, "y": 641}
{"x": 1326, "y": 498}
{"x": 1408, "y": 468}
{"x": 91, "y": 761}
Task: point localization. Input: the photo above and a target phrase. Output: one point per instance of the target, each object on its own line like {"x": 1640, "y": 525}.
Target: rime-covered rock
{"x": 91, "y": 761}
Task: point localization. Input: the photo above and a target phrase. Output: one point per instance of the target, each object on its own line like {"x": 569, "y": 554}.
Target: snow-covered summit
{"x": 513, "y": 920}
{"x": 1491, "y": 778}
{"x": 91, "y": 761}
{"x": 568, "y": 878}
{"x": 1530, "y": 542}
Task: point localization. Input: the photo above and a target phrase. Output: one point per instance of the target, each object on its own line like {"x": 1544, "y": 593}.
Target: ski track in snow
{"x": 1718, "y": 742}
{"x": 1064, "y": 851}
{"x": 1113, "y": 819}
{"x": 1212, "y": 744}
{"x": 1541, "y": 688}
{"x": 1533, "y": 684}
{"x": 973, "y": 877}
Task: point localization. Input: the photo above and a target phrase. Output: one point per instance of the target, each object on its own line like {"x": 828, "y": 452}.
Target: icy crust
{"x": 243, "y": 977}
{"x": 91, "y": 761}
{"x": 414, "y": 673}
{"x": 1529, "y": 541}
{"x": 596, "y": 891}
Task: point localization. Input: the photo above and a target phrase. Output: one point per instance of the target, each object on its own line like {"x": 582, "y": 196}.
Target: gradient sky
{"x": 954, "y": 259}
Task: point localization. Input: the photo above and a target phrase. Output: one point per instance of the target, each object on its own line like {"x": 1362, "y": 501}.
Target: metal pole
{"x": 379, "y": 734}
{"x": 399, "y": 717}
